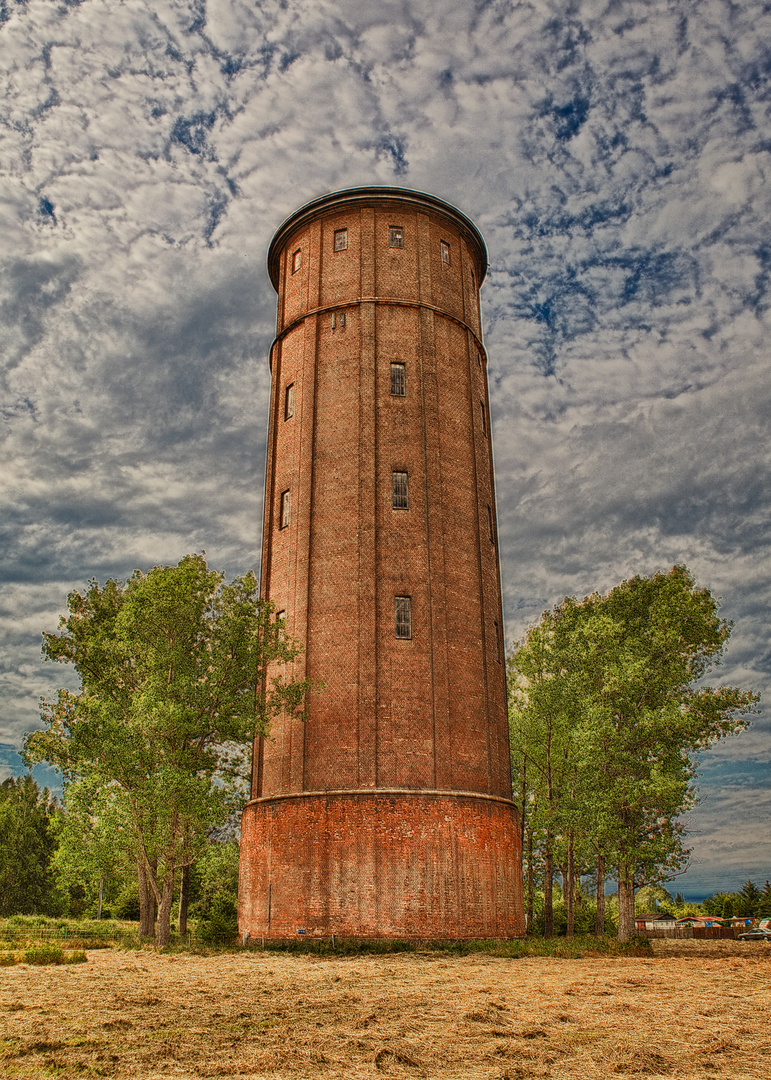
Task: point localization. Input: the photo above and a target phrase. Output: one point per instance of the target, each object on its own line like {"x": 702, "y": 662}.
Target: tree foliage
{"x": 27, "y": 845}
{"x": 606, "y": 713}
{"x": 179, "y": 672}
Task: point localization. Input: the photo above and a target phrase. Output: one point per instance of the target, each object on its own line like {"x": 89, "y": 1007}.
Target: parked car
{"x": 761, "y": 932}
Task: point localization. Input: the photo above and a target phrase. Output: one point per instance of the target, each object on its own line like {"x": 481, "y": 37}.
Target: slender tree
{"x": 179, "y": 671}
{"x": 617, "y": 678}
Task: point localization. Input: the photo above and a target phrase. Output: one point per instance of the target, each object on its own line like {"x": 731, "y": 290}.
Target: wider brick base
{"x": 380, "y": 864}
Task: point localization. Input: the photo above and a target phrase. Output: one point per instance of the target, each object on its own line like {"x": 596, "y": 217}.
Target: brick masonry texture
{"x": 414, "y": 865}
{"x": 421, "y": 715}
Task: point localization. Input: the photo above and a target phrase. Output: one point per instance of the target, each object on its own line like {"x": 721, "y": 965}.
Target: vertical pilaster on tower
{"x": 389, "y": 812}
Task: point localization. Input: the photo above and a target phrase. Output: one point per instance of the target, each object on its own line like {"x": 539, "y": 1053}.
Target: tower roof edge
{"x": 335, "y": 200}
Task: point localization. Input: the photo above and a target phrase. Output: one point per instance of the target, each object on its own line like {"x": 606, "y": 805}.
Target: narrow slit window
{"x": 280, "y": 618}
{"x": 444, "y": 250}
{"x": 297, "y": 260}
{"x": 395, "y": 236}
{"x": 484, "y": 417}
{"x": 285, "y": 504}
{"x": 289, "y": 401}
{"x": 399, "y": 493}
{"x": 497, "y": 642}
{"x": 473, "y": 280}
{"x": 490, "y": 530}
{"x": 341, "y": 239}
{"x": 404, "y": 617}
{"x": 479, "y": 359}
{"x": 398, "y": 380}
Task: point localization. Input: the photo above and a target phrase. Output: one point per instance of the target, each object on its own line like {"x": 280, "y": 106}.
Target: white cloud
{"x": 614, "y": 157}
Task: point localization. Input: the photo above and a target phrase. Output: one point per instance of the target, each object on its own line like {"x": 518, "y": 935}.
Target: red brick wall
{"x": 428, "y": 713}
{"x": 385, "y": 864}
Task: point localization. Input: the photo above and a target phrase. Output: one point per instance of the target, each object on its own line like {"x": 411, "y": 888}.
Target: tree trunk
{"x": 530, "y": 878}
{"x": 625, "y": 901}
{"x": 570, "y": 872}
{"x": 548, "y": 901}
{"x": 163, "y": 925}
{"x": 599, "y": 918}
{"x": 146, "y": 902}
{"x": 184, "y": 897}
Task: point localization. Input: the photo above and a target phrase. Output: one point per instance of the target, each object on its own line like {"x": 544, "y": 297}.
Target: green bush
{"x": 221, "y": 925}
{"x": 127, "y": 904}
{"x": 7, "y": 959}
{"x": 77, "y": 956}
{"x": 44, "y": 954}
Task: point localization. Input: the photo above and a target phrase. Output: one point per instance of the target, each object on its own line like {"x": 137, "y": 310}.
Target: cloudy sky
{"x": 615, "y": 156}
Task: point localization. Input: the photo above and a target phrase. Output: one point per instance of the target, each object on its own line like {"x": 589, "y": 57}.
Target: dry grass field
{"x": 696, "y": 1009}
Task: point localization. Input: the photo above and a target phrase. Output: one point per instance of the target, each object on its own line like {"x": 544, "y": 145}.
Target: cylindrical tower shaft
{"x": 389, "y": 810}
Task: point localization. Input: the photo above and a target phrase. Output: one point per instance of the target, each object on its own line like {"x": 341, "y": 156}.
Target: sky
{"x": 616, "y": 158}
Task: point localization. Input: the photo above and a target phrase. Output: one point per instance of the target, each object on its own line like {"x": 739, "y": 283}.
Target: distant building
{"x": 655, "y": 921}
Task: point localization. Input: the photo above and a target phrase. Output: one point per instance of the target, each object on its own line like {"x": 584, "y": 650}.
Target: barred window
{"x": 297, "y": 260}
{"x": 395, "y": 236}
{"x": 338, "y": 319}
{"x": 398, "y": 380}
{"x": 284, "y": 519}
{"x": 399, "y": 497}
{"x": 444, "y": 250}
{"x": 289, "y": 401}
{"x": 404, "y": 617}
{"x": 341, "y": 239}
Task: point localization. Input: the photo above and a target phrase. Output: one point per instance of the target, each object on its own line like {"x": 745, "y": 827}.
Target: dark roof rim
{"x": 348, "y": 195}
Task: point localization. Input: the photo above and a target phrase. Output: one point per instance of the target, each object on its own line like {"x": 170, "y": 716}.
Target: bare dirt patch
{"x": 699, "y": 1013}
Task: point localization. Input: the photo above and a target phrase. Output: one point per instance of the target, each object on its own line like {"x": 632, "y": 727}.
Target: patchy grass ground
{"x": 695, "y": 1009}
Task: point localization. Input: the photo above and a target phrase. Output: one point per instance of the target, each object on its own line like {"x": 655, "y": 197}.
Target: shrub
{"x": 222, "y": 922}
{"x": 7, "y": 959}
{"x": 77, "y": 956}
{"x": 44, "y": 954}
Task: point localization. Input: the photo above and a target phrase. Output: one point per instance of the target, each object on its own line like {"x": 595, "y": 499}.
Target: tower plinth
{"x": 388, "y": 812}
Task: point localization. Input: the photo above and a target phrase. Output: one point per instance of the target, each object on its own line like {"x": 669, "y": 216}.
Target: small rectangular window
{"x": 341, "y": 239}
{"x": 281, "y": 618}
{"x": 289, "y": 401}
{"x": 284, "y": 520}
{"x": 297, "y": 260}
{"x": 395, "y": 236}
{"x": 404, "y": 617}
{"x": 338, "y": 319}
{"x": 444, "y": 249}
{"x": 398, "y": 380}
{"x": 490, "y": 530}
{"x": 484, "y": 417}
{"x": 399, "y": 496}
{"x": 479, "y": 359}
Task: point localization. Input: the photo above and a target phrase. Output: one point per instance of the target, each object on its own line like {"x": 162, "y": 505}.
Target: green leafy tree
{"x": 617, "y": 677}
{"x": 27, "y": 845}
{"x": 179, "y": 672}
{"x": 96, "y": 851}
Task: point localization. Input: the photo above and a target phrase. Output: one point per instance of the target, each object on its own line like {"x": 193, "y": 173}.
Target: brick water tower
{"x": 387, "y": 813}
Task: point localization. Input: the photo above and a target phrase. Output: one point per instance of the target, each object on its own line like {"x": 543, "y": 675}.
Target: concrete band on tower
{"x": 388, "y": 813}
